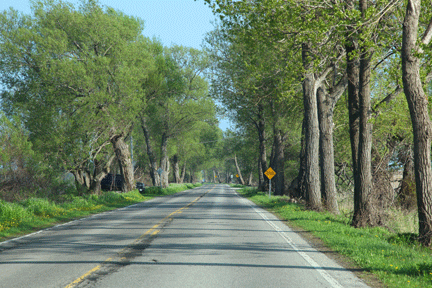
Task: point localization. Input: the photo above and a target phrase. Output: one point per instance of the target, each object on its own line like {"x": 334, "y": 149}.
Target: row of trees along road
{"x": 281, "y": 68}
{"x": 79, "y": 82}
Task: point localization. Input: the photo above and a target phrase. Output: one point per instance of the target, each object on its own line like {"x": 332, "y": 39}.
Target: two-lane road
{"x": 204, "y": 237}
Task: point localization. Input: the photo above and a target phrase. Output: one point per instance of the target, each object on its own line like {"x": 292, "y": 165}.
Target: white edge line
{"x": 65, "y": 224}
{"x": 71, "y": 222}
{"x": 333, "y": 282}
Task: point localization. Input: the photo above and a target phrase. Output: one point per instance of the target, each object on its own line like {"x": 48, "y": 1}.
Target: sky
{"x": 180, "y": 22}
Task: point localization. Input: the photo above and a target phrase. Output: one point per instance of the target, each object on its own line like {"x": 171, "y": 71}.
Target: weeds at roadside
{"x": 37, "y": 213}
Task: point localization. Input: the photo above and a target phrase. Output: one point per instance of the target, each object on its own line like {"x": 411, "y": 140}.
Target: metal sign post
{"x": 270, "y": 173}
{"x": 269, "y": 188}
{"x": 160, "y": 171}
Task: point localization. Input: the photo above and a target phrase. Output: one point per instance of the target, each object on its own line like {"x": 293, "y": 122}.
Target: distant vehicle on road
{"x": 112, "y": 182}
{"x": 140, "y": 186}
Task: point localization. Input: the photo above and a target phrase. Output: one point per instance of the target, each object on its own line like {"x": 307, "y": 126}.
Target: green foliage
{"x": 16, "y": 149}
{"x": 12, "y": 213}
{"x": 21, "y": 170}
{"x": 41, "y": 207}
{"x": 77, "y": 71}
{"x": 153, "y": 190}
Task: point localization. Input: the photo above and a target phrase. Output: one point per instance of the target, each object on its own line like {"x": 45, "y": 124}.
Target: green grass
{"x": 398, "y": 260}
{"x": 37, "y": 213}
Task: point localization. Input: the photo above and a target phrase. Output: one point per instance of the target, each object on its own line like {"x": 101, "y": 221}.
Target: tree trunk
{"x": 407, "y": 194}
{"x": 214, "y": 176}
{"x": 353, "y": 73}
{"x": 383, "y": 190}
{"x": 183, "y": 173}
{"x": 79, "y": 179}
{"x": 260, "y": 174}
{"x": 326, "y": 106}
{"x": 83, "y": 177}
{"x": 353, "y": 100}
{"x": 277, "y": 164}
{"x": 164, "y": 163}
{"x": 250, "y": 179}
{"x": 120, "y": 168}
{"x": 87, "y": 178}
{"x": 418, "y": 106}
{"x": 122, "y": 153}
{"x": 152, "y": 159}
{"x": 191, "y": 176}
{"x": 312, "y": 184}
{"x": 297, "y": 186}
{"x": 364, "y": 200}
{"x": 262, "y": 146}
{"x": 100, "y": 171}
{"x": 176, "y": 169}
{"x": 238, "y": 171}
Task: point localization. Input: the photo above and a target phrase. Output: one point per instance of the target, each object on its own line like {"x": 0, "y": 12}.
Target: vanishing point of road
{"x": 205, "y": 237}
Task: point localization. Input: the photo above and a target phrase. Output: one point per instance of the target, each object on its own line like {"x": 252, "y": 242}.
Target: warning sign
{"x": 270, "y": 173}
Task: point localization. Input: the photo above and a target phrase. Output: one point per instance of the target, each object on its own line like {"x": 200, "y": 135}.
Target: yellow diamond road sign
{"x": 270, "y": 173}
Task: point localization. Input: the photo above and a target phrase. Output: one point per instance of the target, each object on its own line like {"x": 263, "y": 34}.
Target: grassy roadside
{"x": 397, "y": 260}
{"x": 33, "y": 214}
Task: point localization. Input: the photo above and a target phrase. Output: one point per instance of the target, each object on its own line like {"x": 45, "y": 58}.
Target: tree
{"x": 18, "y": 161}
{"x": 250, "y": 80}
{"x": 368, "y": 44}
{"x": 94, "y": 77}
{"x": 326, "y": 105}
{"x": 178, "y": 100}
{"x": 412, "y": 50}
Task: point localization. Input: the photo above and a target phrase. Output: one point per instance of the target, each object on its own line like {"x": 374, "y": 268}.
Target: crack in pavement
{"x": 129, "y": 253}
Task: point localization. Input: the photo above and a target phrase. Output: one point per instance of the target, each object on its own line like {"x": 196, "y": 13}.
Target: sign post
{"x": 270, "y": 173}
{"x": 160, "y": 171}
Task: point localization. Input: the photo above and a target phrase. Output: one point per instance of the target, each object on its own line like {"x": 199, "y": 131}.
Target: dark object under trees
{"x": 140, "y": 186}
{"x": 112, "y": 182}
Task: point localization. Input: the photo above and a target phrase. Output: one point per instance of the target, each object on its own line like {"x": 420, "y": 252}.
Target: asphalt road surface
{"x": 204, "y": 237}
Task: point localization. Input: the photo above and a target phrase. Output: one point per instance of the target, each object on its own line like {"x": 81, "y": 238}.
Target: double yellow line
{"x": 152, "y": 232}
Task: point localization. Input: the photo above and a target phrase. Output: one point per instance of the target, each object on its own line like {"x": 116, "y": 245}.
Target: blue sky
{"x": 181, "y": 22}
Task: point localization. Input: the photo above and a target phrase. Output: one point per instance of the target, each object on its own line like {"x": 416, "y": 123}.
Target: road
{"x": 204, "y": 237}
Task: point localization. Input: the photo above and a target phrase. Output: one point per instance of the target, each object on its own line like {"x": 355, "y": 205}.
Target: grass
{"x": 397, "y": 259}
{"x": 37, "y": 213}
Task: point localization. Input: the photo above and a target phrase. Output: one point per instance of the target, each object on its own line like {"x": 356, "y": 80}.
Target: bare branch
{"x": 427, "y": 36}
{"x": 387, "y": 99}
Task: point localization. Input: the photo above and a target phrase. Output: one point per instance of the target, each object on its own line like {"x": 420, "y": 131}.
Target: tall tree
{"x": 412, "y": 50}
{"x": 363, "y": 210}
{"x": 326, "y": 104}
{"x": 177, "y": 101}
{"x": 94, "y": 77}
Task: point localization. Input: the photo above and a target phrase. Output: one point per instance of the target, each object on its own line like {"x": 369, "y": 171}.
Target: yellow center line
{"x": 153, "y": 232}
{"x": 83, "y": 276}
